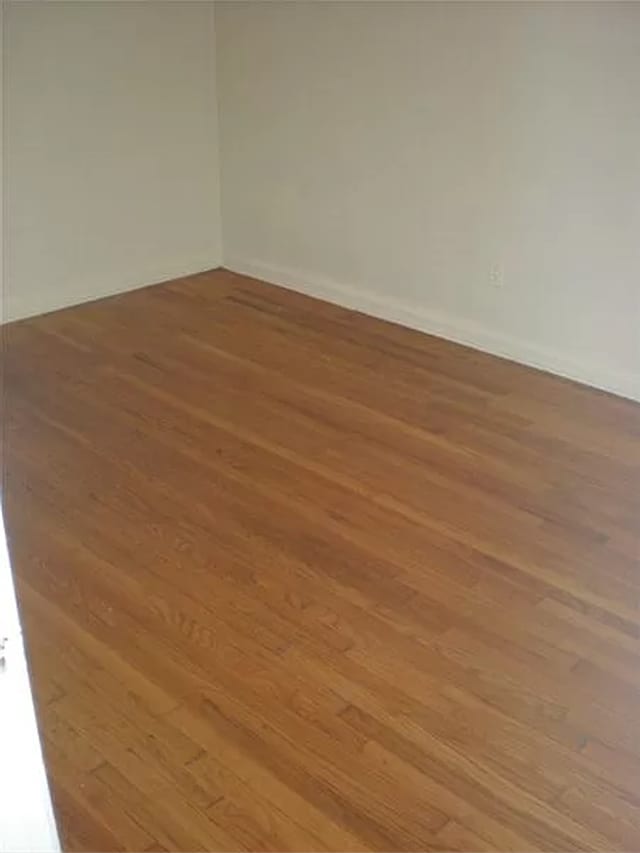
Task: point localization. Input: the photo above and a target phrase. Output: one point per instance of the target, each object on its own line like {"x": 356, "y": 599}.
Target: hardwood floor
{"x": 293, "y": 578}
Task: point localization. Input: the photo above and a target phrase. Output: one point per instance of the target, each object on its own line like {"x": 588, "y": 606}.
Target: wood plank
{"x": 295, "y": 578}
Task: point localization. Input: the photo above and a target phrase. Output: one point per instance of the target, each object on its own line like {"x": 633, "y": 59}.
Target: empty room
{"x": 320, "y": 426}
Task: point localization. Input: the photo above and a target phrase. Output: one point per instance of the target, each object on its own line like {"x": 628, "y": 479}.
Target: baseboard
{"x": 452, "y": 328}
{"x": 48, "y": 300}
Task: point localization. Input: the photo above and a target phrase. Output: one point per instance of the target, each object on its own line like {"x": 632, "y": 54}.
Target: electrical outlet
{"x": 496, "y": 276}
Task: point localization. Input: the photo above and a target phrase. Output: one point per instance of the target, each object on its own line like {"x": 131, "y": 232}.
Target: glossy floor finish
{"x": 293, "y": 578}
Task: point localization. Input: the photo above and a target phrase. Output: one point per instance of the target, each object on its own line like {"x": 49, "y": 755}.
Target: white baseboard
{"x": 462, "y": 331}
{"x": 19, "y": 306}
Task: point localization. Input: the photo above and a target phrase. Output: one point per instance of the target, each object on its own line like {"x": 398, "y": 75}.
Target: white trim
{"x": 54, "y": 299}
{"x": 26, "y": 818}
{"x": 452, "y": 328}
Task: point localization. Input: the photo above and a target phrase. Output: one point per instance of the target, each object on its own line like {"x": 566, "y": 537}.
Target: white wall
{"x": 111, "y": 172}
{"x": 387, "y": 155}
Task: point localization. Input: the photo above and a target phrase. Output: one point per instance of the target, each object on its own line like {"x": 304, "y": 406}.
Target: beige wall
{"x": 468, "y": 169}
{"x": 111, "y": 172}
{"x": 410, "y": 158}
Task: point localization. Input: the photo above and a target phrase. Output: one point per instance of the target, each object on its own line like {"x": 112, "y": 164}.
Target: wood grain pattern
{"x": 293, "y": 578}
